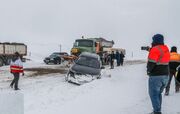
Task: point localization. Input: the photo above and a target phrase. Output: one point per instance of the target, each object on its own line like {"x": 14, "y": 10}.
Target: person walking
{"x": 112, "y": 57}
{"x": 106, "y": 58}
{"x": 158, "y": 71}
{"x": 16, "y": 67}
{"x": 173, "y": 64}
{"x": 121, "y": 59}
{"x": 118, "y": 58}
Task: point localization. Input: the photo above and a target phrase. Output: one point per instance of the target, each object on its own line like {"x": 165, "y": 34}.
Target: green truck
{"x": 93, "y": 45}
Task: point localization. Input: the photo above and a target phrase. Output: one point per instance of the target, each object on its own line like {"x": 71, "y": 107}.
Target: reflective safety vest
{"x": 174, "y": 57}
{"x": 159, "y": 54}
{"x": 16, "y": 66}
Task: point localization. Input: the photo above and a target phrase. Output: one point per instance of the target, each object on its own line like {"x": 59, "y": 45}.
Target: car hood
{"x": 85, "y": 70}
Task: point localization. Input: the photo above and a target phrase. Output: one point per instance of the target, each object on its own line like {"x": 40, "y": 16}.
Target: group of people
{"x": 161, "y": 67}
{"x": 110, "y": 58}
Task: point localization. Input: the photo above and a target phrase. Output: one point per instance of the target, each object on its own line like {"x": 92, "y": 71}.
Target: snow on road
{"x": 124, "y": 93}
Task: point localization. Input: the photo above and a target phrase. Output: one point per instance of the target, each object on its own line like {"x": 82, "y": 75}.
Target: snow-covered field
{"x": 125, "y": 92}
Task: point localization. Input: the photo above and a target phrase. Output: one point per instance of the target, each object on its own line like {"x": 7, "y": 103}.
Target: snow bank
{"x": 125, "y": 92}
{"x": 11, "y": 103}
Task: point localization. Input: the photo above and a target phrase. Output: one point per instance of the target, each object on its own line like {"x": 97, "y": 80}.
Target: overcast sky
{"x": 44, "y": 24}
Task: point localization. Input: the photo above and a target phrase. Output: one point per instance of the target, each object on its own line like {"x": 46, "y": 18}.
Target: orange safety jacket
{"x": 174, "y": 57}
{"x": 159, "y": 54}
{"x": 174, "y": 62}
{"x": 16, "y": 66}
{"x": 158, "y": 61}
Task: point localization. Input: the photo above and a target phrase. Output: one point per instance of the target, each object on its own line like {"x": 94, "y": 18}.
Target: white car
{"x": 88, "y": 65}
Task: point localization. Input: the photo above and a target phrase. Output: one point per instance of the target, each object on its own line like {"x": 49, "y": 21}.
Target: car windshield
{"x": 87, "y": 61}
{"x": 84, "y": 43}
{"x": 53, "y": 55}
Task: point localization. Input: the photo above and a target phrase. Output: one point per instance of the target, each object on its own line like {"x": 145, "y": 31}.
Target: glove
{"x": 23, "y": 74}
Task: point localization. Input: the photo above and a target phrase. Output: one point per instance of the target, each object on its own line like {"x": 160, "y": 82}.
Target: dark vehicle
{"x": 55, "y": 58}
{"x": 85, "y": 69}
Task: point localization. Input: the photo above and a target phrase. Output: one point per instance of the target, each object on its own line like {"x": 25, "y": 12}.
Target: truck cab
{"x": 83, "y": 45}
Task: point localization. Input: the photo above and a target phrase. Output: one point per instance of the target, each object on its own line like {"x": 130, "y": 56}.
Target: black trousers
{"x": 121, "y": 62}
{"x": 177, "y": 86}
{"x": 112, "y": 64}
{"x": 15, "y": 80}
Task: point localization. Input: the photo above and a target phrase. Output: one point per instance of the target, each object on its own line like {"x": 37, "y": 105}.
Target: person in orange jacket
{"x": 173, "y": 64}
{"x": 158, "y": 71}
{"x": 16, "y": 67}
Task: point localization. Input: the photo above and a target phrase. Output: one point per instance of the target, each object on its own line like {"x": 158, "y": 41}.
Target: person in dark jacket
{"x": 112, "y": 57}
{"x": 16, "y": 68}
{"x": 121, "y": 59}
{"x": 118, "y": 58}
{"x": 173, "y": 64}
{"x": 106, "y": 58}
{"x": 158, "y": 71}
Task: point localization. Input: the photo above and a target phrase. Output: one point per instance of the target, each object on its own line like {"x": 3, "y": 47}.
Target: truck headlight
{"x": 74, "y": 50}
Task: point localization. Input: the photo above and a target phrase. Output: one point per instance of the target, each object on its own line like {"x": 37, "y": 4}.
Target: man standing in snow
{"x": 118, "y": 58}
{"x": 121, "y": 58}
{"x": 16, "y": 68}
{"x": 112, "y": 57}
{"x": 173, "y": 64}
{"x": 158, "y": 71}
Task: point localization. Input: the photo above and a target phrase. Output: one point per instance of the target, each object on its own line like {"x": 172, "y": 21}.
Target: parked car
{"x": 55, "y": 58}
{"x": 88, "y": 64}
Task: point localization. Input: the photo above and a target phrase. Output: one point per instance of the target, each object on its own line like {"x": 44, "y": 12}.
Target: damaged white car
{"x": 87, "y": 68}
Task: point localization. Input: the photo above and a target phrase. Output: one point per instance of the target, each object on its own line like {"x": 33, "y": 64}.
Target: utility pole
{"x": 132, "y": 54}
{"x": 60, "y": 47}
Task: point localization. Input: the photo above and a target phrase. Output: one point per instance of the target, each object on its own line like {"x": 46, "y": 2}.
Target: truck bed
{"x": 11, "y": 48}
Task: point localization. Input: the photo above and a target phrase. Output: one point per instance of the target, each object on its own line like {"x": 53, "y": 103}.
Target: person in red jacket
{"x": 158, "y": 71}
{"x": 16, "y": 67}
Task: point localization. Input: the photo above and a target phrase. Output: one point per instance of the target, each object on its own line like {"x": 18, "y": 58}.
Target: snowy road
{"x": 124, "y": 93}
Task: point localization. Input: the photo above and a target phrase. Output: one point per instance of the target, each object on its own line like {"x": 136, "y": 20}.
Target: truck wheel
{"x": 1, "y": 62}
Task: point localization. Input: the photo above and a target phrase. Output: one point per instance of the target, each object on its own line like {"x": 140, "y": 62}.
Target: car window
{"x": 53, "y": 55}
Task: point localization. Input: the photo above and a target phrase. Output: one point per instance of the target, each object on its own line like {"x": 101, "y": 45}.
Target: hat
{"x": 158, "y": 39}
{"x": 17, "y": 54}
{"x": 174, "y": 49}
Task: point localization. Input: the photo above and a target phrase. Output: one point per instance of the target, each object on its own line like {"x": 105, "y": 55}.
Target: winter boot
{"x": 16, "y": 89}
{"x": 167, "y": 92}
{"x": 11, "y": 86}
